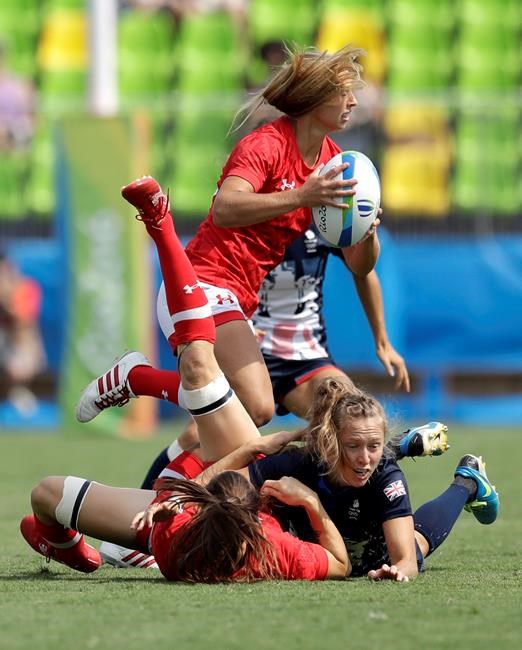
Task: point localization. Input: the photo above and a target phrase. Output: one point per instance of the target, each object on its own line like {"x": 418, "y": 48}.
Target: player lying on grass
{"x": 364, "y": 491}
{"x": 221, "y": 532}
{"x": 428, "y": 440}
{"x": 343, "y": 460}
{"x": 362, "y": 488}
{"x": 133, "y": 374}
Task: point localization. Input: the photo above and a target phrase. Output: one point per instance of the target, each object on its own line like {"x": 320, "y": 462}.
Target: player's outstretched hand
{"x": 388, "y": 572}
{"x": 394, "y": 364}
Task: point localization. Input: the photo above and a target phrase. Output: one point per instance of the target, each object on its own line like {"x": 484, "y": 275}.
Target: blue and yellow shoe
{"x": 428, "y": 440}
{"x": 486, "y": 504}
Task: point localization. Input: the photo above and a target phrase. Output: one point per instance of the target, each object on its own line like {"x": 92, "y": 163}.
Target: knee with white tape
{"x": 74, "y": 492}
{"x": 209, "y": 398}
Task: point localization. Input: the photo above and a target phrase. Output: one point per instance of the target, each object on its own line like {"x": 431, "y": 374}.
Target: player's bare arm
{"x": 400, "y": 541}
{"x": 292, "y": 492}
{"x": 237, "y": 204}
{"x": 248, "y": 452}
{"x": 362, "y": 257}
{"x": 370, "y": 294}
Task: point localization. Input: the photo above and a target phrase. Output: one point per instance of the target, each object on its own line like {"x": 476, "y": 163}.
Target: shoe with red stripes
{"x": 75, "y": 553}
{"x": 110, "y": 389}
{"x": 146, "y": 195}
{"x": 126, "y": 558}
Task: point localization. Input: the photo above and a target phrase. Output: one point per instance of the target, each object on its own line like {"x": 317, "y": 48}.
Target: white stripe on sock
{"x": 191, "y": 314}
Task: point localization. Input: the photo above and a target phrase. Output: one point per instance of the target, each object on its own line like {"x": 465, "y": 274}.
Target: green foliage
{"x": 469, "y": 596}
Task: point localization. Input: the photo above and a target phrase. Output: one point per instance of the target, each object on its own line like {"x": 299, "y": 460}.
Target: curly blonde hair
{"x": 335, "y": 404}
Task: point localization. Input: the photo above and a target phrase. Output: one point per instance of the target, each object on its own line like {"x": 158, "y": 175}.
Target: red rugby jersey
{"x": 239, "y": 258}
{"x": 297, "y": 560}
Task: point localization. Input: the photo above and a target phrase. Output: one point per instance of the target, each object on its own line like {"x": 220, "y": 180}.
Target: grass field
{"x": 469, "y": 596}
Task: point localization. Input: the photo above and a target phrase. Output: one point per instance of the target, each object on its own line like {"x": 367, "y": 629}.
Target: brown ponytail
{"x": 224, "y": 540}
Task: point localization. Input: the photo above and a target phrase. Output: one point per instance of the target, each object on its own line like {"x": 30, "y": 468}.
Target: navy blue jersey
{"x": 358, "y": 513}
{"x": 289, "y": 316}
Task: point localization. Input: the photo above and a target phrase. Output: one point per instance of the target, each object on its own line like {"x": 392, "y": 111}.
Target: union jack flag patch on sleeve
{"x": 395, "y": 490}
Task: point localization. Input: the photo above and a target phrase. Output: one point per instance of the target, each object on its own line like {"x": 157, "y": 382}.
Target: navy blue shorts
{"x": 286, "y": 375}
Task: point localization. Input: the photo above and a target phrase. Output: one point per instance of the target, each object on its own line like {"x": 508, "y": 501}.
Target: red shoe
{"x": 80, "y": 555}
{"x": 147, "y": 197}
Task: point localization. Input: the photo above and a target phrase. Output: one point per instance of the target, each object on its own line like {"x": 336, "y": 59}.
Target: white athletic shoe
{"x": 110, "y": 389}
{"x": 126, "y": 558}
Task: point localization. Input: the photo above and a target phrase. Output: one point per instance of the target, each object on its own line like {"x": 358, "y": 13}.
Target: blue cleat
{"x": 486, "y": 504}
{"x": 428, "y": 440}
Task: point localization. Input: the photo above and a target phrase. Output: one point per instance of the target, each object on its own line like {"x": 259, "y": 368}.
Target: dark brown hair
{"x": 224, "y": 541}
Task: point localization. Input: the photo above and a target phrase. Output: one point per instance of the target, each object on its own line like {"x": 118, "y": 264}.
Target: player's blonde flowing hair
{"x": 308, "y": 78}
{"x": 336, "y": 403}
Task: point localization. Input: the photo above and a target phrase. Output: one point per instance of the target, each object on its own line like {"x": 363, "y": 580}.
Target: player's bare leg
{"x": 240, "y": 358}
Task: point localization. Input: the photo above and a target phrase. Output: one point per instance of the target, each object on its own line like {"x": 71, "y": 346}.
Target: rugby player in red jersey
{"x": 263, "y": 202}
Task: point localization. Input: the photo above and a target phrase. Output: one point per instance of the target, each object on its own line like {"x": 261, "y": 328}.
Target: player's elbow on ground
{"x": 338, "y": 569}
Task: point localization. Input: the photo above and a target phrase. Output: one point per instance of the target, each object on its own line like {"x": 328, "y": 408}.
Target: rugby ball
{"x": 345, "y": 227}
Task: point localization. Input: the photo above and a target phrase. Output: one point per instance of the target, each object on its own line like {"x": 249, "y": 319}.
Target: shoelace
{"x": 156, "y": 220}
{"x": 118, "y": 396}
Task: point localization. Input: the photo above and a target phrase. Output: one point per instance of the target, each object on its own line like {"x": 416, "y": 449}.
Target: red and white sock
{"x": 188, "y": 305}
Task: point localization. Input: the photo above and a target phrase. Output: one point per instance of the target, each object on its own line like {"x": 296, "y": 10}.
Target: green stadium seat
{"x": 13, "y": 177}
{"x": 145, "y": 31}
{"x": 41, "y": 189}
{"x": 416, "y": 73}
{"x": 271, "y": 20}
{"x": 416, "y": 30}
{"x": 487, "y": 161}
{"x": 199, "y": 147}
{"x": 439, "y": 15}
{"x": 67, "y": 4}
{"x": 146, "y": 61}
{"x": 210, "y": 59}
{"x": 63, "y": 90}
{"x": 490, "y": 15}
{"x": 482, "y": 68}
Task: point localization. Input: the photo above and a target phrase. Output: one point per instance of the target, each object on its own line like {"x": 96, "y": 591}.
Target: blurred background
{"x": 94, "y": 93}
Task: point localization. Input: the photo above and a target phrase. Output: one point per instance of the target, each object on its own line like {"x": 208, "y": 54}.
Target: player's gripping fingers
{"x": 334, "y": 171}
{"x": 139, "y": 521}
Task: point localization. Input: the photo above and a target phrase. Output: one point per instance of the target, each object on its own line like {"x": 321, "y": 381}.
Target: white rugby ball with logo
{"x": 347, "y": 226}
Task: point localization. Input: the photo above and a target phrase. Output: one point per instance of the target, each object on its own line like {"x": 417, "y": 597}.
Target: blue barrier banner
{"x": 449, "y": 304}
